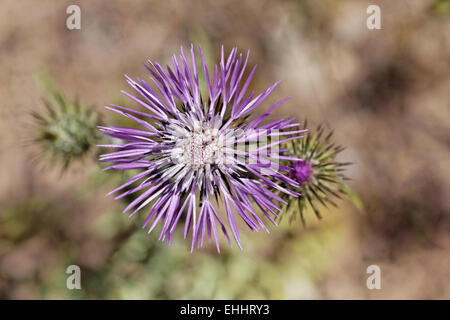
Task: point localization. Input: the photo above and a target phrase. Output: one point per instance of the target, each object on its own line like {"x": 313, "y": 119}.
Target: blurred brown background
{"x": 385, "y": 92}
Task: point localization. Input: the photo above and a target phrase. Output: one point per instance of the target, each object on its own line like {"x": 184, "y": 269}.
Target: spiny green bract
{"x": 68, "y": 130}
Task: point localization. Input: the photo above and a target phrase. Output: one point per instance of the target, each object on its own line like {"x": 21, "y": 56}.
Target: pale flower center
{"x": 201, "y": 148}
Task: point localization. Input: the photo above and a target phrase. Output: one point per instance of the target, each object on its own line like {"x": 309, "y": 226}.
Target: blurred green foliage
{"x": 441, "y": 6}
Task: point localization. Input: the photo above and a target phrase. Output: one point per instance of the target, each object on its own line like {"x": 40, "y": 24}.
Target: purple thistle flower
{"x": 197, "y": 153}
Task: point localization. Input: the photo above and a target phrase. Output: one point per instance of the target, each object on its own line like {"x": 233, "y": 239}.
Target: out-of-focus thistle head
{"x": 197, "y": 153}
{"x": 67, "y": 130}
{"x": 320, "y": 176}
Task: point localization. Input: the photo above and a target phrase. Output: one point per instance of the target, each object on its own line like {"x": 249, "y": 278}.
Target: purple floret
{"x": 301, "y": 172}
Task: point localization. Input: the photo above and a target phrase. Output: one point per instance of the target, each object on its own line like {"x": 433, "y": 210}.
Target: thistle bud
{"x": 67, "y": 131}
{"x": 320, "y": 176}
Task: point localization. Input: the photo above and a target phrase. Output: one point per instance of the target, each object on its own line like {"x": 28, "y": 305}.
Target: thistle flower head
{"x": 319, "y": 175}
{"x": 198, "y": 152}
{"x": 68, "y": 130}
